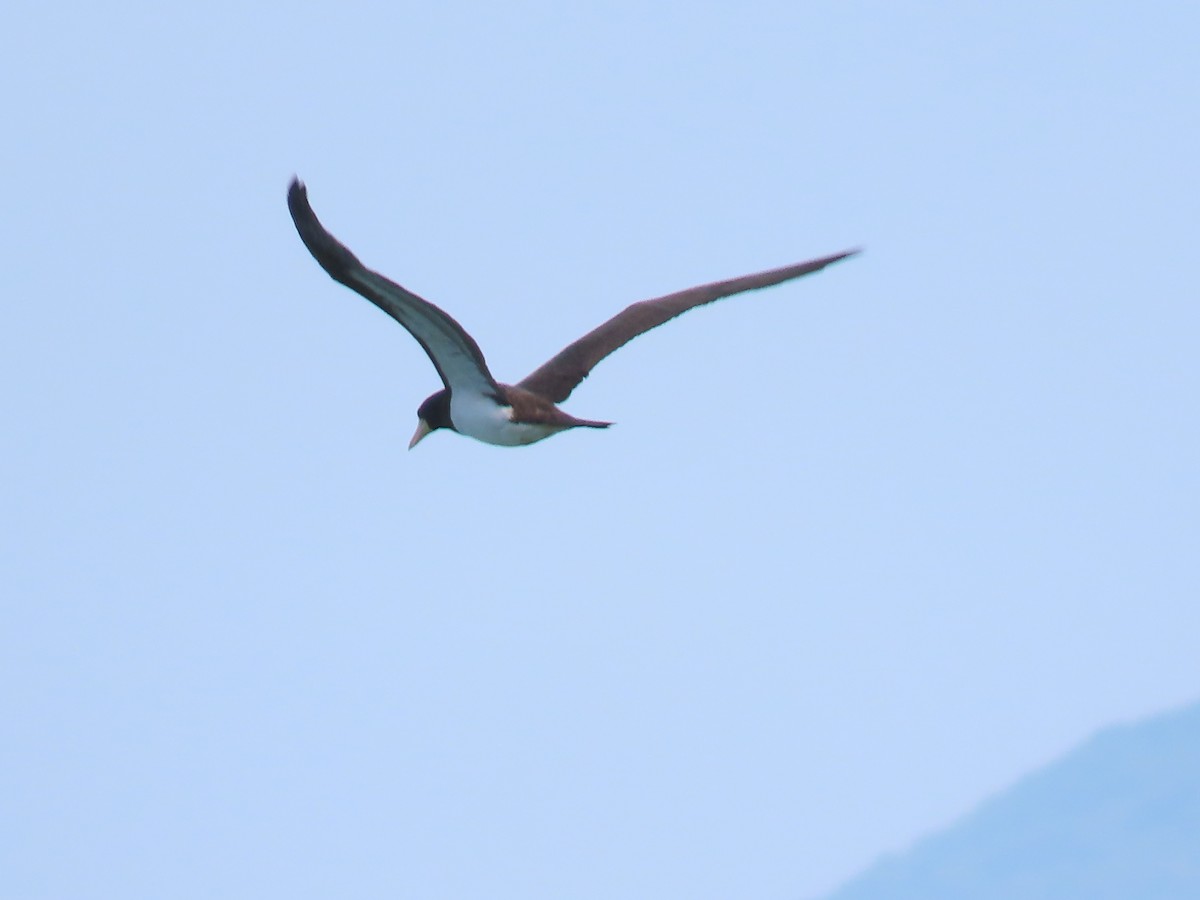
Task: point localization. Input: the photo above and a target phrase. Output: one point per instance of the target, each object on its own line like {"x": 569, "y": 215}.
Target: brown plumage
{"x": 472, "y": 401}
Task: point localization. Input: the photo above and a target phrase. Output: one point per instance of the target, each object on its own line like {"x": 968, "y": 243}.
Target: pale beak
{"x": 422, "y": 430}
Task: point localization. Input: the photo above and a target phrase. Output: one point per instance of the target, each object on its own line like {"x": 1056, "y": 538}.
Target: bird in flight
{"x": 471, "y": 401}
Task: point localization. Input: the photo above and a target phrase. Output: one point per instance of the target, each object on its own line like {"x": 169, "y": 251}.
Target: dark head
{"x": 433, "y": 414}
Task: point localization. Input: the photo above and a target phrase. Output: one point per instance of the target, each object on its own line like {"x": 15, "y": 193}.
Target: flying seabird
{"x": 472, "y": 402}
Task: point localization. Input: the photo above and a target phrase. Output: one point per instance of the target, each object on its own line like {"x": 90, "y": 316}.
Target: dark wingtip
{"x": 297, "y": 195}
{"x": 325, "y": 248}
{"x": 845, "y": 254}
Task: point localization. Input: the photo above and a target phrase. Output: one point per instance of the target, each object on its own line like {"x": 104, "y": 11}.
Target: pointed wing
{"x": 557, "y": 378}
{"x": 455, "y": 354}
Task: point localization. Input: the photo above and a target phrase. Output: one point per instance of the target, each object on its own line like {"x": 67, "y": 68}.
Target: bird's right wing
{"x": 454, "y": 353}
{"x": 557, "y": 378}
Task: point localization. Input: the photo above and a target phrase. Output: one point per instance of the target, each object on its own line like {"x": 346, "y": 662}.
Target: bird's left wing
{"x": 559, "y": 376}
{"x": 454, "y": 353}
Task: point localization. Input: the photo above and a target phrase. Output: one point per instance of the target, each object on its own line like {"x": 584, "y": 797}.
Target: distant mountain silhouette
{"x": 1117, "y": 818}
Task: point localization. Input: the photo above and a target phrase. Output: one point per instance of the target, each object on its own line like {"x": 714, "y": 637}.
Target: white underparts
{"x": 481, "y": 418}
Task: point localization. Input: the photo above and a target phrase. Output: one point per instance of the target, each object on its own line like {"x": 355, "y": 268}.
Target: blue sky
{"x": 860, "y": 551}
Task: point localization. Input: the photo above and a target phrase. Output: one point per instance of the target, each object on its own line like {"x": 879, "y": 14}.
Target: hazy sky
{"x": 860, "y": 551}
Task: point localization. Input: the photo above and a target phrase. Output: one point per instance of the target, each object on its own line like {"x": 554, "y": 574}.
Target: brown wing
{"x": 557, "y": 378}
{"x": 454, "y": 353}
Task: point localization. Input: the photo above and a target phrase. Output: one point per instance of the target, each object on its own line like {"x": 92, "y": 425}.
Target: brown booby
{"x": 472, "y": 402}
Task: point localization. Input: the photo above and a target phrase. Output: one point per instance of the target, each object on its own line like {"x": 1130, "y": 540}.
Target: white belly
{"x": 480, "y": 418}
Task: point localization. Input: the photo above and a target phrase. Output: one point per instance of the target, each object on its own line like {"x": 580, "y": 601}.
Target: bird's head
{"x": 433, "y": 414}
